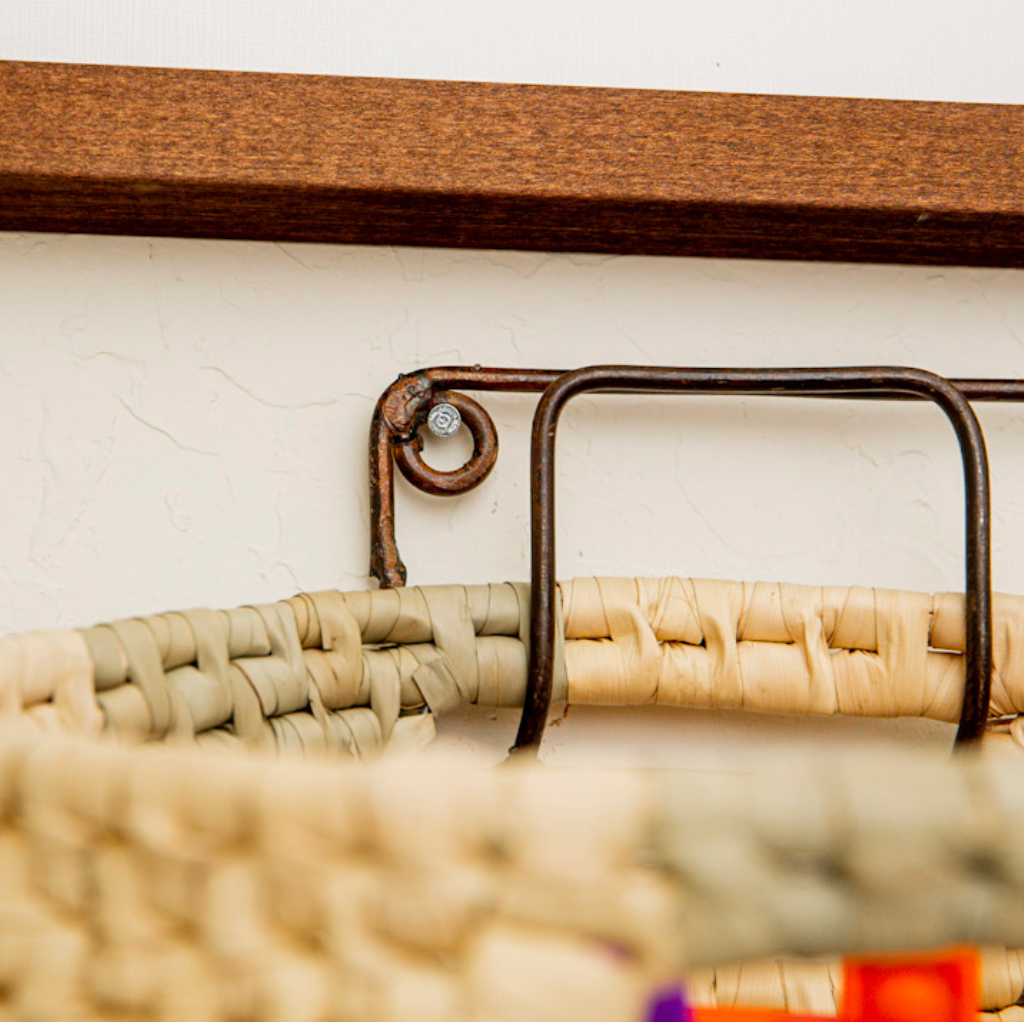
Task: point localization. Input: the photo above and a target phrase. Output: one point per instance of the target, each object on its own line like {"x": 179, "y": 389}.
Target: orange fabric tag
{"x": 750, "y": 1015}
{"x": 941, "y": 986}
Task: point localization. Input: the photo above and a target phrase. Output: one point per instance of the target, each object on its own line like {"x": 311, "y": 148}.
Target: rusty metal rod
{"x": 404, "y": 406}
{"x": 882, "y": 382}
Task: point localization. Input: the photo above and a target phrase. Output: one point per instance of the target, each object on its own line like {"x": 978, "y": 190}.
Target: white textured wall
{"x": 908, "y": 49}
{"x": 184, "y": 422}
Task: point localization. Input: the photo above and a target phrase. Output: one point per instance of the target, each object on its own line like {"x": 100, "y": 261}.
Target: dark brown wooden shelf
{"x": 381, "y": 161}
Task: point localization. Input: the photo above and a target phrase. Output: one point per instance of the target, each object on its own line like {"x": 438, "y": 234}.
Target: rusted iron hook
{"x": 403, "y": 408}
{"x": 401, "y": 411}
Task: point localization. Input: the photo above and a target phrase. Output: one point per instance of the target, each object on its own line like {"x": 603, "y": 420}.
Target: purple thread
{"x": 668, "y": 1005}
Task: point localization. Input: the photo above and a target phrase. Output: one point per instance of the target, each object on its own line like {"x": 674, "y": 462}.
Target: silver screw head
{"x": 444, "y": 420}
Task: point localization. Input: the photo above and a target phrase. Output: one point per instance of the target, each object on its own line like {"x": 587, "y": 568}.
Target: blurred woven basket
{"x": 159, "y": 883}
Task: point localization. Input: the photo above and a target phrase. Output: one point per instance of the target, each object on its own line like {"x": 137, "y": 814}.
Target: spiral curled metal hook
{"x": 401, "y": 411}
{"x": 408, "y": 452}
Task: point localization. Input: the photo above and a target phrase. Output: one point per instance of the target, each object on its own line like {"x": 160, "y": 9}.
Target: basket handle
{"x": 879, "y": 382}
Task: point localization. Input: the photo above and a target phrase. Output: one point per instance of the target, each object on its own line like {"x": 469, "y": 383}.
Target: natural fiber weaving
{"x": 161, "y": 883}
{"x": 353, "y": 672}
{"x": 165, "y": 884}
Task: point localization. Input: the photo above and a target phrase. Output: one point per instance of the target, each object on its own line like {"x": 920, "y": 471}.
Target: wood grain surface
{"x": 383, "y": 161}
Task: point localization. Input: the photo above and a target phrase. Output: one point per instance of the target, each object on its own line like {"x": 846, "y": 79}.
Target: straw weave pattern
{"x": 166, "y": 884}
{"x": 781, "y": 648}
{"x": 158, "y": 883}
{"x": 353, "y": 673}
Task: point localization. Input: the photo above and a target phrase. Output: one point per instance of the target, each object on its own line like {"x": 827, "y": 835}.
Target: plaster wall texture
{"x": 184, "y": 421}
{"x": 913, "y": 49}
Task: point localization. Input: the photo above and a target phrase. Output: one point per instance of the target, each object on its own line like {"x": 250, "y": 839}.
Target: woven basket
{"x": 139, "y": 880}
